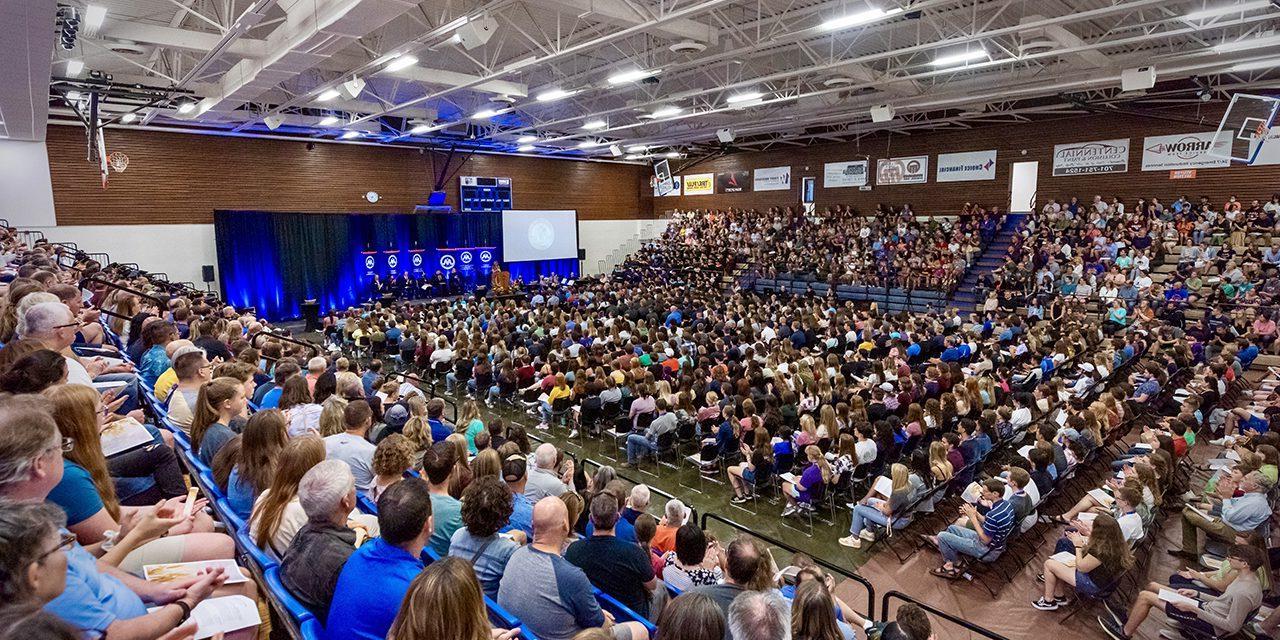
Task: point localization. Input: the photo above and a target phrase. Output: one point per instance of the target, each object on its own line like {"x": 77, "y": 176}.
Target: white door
{"x": 1022, "y": 187}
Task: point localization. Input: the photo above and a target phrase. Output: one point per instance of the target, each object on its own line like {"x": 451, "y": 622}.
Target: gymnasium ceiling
{"x": 773, "y": 72}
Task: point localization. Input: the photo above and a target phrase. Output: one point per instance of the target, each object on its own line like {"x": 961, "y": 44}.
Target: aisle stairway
{"x": 965, "y": 296}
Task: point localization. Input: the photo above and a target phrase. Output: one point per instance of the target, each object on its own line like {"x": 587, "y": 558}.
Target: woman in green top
{"x": 470, "y": 424}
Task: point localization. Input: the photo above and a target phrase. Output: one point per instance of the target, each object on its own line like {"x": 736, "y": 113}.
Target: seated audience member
{"x": 743, "y": 560}
{"x": 94, "y": 595}
{"x": 376, "y": 577}
{"x": 695, "y": 562}
{"x": 352, "y": 445}
{"x": 618, "y": 568}
{"x": 910, "y": 622}
{"x": 693, "y": 617}
{"x": 316, "y": 555}
{"x": 486, "y": 507}
{"x": 760, "y": 615}
{"x": 811, "y": 483}
{"x": 391, "y": 459}
{"x": 169, "y": 379}
{"x": 220, "y": 401}
{"x": 548, "y": 594}
{"x": 674, "y": 516}
{"x": 447, "y": 585}
{"x": 263, "y": 440}
{"x": 51, "y": 325}
{"x": 543, "y": 480}
{"x": 985, "y": 541}
{"x": 1100, "y": 560}
{"x": 439, "y": 464}
{"x": 295, "y": 400}
{"x": 440, "y": 428}
{"x": 193, "y": 370}
{"x": 155, "y": 360}
{"x": 35, "y": 372}
{"x": 1208, "y": 616}
{"x": 1237, "y": 516}
{"x": 277, "y": 514}
{"x": 879, "y": 511}
{"x": 813, "y": 614}
{"x": 514, "y": 470}
{"x": 267, "y": 396}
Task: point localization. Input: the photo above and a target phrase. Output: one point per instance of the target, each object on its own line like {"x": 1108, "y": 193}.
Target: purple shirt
{"x": 810, "y": 479}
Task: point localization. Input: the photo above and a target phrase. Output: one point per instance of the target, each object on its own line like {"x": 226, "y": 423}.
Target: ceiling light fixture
{"x": 74, "y": 67}
{"x": 634, "y": 75}
{"x": 350, "y": 134}
{"x": 401, "y": 62}
{"x": 595, "y": 124}
{"x": 73, "y": 96}
{"x": 749, "y": 96}
{"x": 667, "y": 111}
{"x": 960, "y": 58}
{"x": 672, "y": 154}
{"x": 587, "y": 144}
{"x": 128, "y": 117}
{"x": 526, "y": 148}
{"x": 1205, "y": 14}
{"x": 328, "y": 121}
{"x": 637, "y": 148}
{"x": 1247, "y": 44}
{"x": 551, "y": 95}
{"x": 526, "y": 139}
{"x": 858, "y": 19}
{"x": 1256, "y": 65}
{"x": 186, "y": 107}
{"x": 420, "y": 129}
{"x": 94, "y": 16}
{"x": 484, "y": 114}
{"x": 328, "y": 95}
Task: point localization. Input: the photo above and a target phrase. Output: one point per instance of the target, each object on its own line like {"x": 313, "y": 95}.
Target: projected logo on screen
{"x": 416, "y": 259}
{"x": 447, "y": 263}
{"x": 486, "y": 257}
{"x": 369, "y": 262}
{"x": 541, "y": 234}
{"x": 466, "y": 257}
{"x": 393, "y": 261}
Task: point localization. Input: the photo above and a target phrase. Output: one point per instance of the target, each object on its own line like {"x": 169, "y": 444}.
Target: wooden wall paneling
{"x": 1014, "y": 143}
{"x": 176, "y": 178}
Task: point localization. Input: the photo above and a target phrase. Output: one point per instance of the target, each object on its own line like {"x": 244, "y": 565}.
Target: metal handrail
{"x": 142, "y": 294}
{"x": 315, "y": 350}
{"x": 845, "y": 573}
{"x": 971, "y": 627}
{"x": 693, "y": 516}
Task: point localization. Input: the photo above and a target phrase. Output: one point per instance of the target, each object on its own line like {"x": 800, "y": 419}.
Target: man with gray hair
{"x": 543, "y": 480}
{"x": 54, "y": 326}
{"x": 315, "y": 368}
{"x": 759, "y": 615}
{"x": 637, "y": 503}
{"x": 1239, "y": 516}
{"x": 314, "y": 559}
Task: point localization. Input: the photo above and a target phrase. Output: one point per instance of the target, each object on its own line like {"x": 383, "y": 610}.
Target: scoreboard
{"x": 485, "y": 194}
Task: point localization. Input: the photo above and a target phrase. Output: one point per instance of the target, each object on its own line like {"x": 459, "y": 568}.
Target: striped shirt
{"x": 998, "y": 523}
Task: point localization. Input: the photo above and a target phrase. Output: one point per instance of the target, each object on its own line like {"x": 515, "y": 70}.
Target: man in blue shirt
{"x": 377, "y": 575}
{"x": 514, "y": 473}
{"x": 989, "y": 533}
{"x": 1240, "y": 516}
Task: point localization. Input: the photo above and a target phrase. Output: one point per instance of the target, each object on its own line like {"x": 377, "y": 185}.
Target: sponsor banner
{"x": 844, "y": 174}
{"x": 699, "y": 184}
{"x": 1182, "y": 174}
{"x": 772, "y": 179}
{"x": 1270, "y": 151}
{"x": 675, "y": 187}
{"x": 966, "y": 166}
{"x": 735, "y": 181}
{"x": 1084, "y": 158}
{"x": 908, "y": 170}
{"x": 1185, "y": 151}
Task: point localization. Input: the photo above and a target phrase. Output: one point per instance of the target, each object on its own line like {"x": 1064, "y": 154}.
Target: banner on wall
{"x": 736, "y": 181}
{"x": 699, "y": 184}
{"x": 844, "y": 174}
{"x": 1185, "y": 151}
{"x": 1085, "y": 158}
{"x": 675, "y": 187}
{"x": 967, "y": 166}
{"x": 772, "y": 179}
{"x": 906, "y": 170}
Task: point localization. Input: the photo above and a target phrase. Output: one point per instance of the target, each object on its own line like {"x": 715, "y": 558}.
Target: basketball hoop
{"x": 118, "y": 160}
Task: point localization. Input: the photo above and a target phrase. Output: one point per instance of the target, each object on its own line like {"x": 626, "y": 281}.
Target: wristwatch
{"x": 186, "y": 611}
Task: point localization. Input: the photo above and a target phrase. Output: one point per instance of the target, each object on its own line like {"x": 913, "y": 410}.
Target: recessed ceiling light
{"x": 186, "y": 107}
{"x": 128, "y": 117}
{"x": 401, "y": 62}
{"x": 328, "y": 121}
{"x": 858, "y": 19}
{"x": 526, "y": 139}
{"x": 960, "y": 57}
{"x": 744, "y": 97}
{"x": 328, "y": 95}
{"x": 667, "y": 111}
{"x": 526, "y": 148}
{"x": 595, "y": 124}
{"x": 633, "y": 75}
{"x": 74, "y": 67}
{"x": 552, "y": 95}
{"x": 350, "y": 134}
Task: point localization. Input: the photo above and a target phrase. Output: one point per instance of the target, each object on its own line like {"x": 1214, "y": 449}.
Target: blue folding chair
{"x": 297, "y": 611}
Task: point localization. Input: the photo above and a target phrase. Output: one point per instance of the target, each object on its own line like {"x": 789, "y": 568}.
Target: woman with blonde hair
{"x": 827, "y": 427}
{"x": 808, "y": 434}
{"x": 331, "y": 420}
{"x": 416, "y": 429}
{"x": 459, "y": 481}
{"x": 448, "y": 585}
{"x": 469, "y": 424}
{"x": 487, "y": 463}
{"x": 391, "y": 459}
{"x": 812, "y": 481}
{"x": 882, "y": 510}
{"x": 939, "y": 466}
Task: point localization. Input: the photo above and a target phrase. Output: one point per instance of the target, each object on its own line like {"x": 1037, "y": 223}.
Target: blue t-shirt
{"x": 370, "y": 588}
{"x": 624, "y": 530}
{"x": 488, "y": 556}
{"x": 76, "y": 494}
{"x": 215, "y": 437}
{"x": 154, "y": 363}
{"x": 240, "y": 495}
{"x": 439, "y": 430}
{"x": 93, "y": 600}
{"x": 446, "y": 511}
{"x": 521, "y": 515}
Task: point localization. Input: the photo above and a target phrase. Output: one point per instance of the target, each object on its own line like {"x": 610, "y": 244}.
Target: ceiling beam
{"x": 621, "y": 13}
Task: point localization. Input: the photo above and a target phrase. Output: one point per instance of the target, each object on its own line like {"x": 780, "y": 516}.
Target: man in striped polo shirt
{"x": 989, "y": 532}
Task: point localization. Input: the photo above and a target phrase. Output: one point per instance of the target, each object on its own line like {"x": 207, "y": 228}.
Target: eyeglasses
{"x": 67, "y": 445}
{"x": 77, "y": 324}
{"x": 64, "y": 544}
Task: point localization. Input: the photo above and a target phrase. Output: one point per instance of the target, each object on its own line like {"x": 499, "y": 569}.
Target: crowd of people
{"x": 382, "y": 511}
